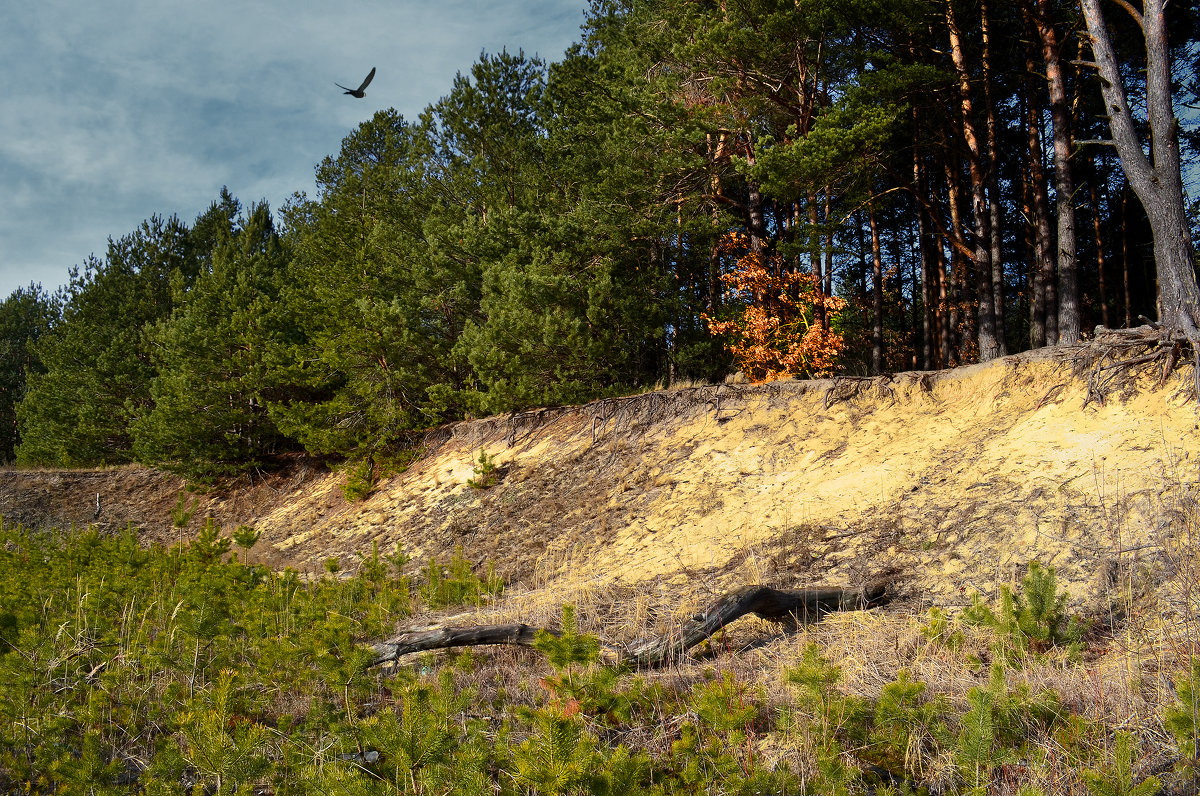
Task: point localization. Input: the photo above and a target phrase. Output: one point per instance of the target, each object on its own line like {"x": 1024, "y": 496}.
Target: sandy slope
{"x": 947, "y": 482}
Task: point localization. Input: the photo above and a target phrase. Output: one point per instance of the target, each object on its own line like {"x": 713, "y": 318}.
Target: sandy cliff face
{"x": 946, "y": 482}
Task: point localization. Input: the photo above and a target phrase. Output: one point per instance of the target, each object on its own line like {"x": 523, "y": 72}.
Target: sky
{"x": 118, "y": 110}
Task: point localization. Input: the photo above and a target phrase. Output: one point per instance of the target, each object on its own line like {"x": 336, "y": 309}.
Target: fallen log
{"x": 438, "y": 638}
{"x": 790, "y": 607}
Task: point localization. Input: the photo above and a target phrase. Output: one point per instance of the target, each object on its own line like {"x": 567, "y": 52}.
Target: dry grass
{"x": 1144, "y": 632}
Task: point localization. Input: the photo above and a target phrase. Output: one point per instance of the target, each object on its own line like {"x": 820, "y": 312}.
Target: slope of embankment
{"x": 943, "y": 482}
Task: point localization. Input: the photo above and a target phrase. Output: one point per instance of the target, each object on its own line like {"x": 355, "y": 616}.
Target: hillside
{"x": 945, "y": 483}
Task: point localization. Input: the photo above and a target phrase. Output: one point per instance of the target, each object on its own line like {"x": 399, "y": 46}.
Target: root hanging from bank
{"x": 1116, "y": 357}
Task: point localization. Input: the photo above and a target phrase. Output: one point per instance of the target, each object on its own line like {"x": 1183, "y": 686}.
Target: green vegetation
{"x": 25, "y": 316}
{"x": 457, "y": 583}
{"x": 483, "y": 475}
{"x": 360, "y": 479}
{"x": 1032, "y": 620}
{"x": 126, "y": 669}
{"x": 782, "y": 185}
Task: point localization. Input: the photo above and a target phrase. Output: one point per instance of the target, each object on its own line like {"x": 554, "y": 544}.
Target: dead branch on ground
{"x": 789, "y": 607}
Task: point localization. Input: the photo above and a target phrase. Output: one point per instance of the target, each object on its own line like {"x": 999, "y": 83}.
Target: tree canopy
{"x": 785, "y": 188}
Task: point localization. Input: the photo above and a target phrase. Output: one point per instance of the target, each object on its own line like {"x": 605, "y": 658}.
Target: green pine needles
{"x": 484, "y": 474}
{"x": 457, "y": 583}
{"x": 147, "y": 670}
{"x": 1183, "y": 718}
{"x": 1032, "y": 620}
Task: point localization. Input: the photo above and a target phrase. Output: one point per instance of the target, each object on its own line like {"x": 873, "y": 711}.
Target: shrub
{"x": 457, "y": 584}
{"x": 1033, "y": 619}
{"x": 485, "y": 475}
{"x": 360, "y": 480}
{"x": 1181, "y": 717}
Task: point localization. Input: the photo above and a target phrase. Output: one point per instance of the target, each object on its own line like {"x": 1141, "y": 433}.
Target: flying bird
{"x": 358, "y": 92}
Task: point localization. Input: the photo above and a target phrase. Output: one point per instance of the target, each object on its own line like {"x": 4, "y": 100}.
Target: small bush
{"x": 1033, "y": 619}
{"x": 457, "y": 584}
{"x": 1181, "y": 718}
{"x": 484, "y": 473}
{"x": 360, "y": 480}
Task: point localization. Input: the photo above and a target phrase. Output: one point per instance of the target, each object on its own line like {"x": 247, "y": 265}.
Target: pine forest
{"x": 695, "y": 189}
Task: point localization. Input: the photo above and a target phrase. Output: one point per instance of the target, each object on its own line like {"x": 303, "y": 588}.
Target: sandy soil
{"x": 944, "y": 482}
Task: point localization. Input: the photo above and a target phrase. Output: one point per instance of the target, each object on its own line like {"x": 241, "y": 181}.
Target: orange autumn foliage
{"x": 775, "y": 334}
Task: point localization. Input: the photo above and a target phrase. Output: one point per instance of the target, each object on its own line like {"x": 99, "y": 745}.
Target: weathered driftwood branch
{"x": 438, "y": 638}
{"x": 791, "y": 607}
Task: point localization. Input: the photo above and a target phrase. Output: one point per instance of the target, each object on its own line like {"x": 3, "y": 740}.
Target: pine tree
{"x": 212, "y": 357}
{"x": 96, "y": 358}
{"x": 375, "y": 296}
{"x": 26, "y": 315}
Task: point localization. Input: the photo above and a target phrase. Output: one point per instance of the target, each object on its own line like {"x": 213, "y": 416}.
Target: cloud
{"x": 121, "y": 110}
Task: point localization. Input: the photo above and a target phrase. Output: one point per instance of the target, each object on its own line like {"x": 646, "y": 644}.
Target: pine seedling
{"x": 1033, "y": 619}
{"x": 725, "y": 705}
{"x": 570, "y": 648}
{"x": 372, "y": 568}
{"x": 399, "y": 560}
{"x": 558, "y": 758}
{"x": 1040, "y": 611}
{"x": 457, "y": 584}
{"x": 245, "y": 537}
{"x": 360, "y": 480}
{"x": 414, "y": 742}
{"x": 1181, "y": 718}
{"x": 941, "y": 630}
{"x": 181, "y": 514}
{"x": 837, "y": 717}
{"x": 223, "y": 746}
{"x": 1115, "y": 776}
{"x": 904, "y": 721}
{"x": 976, "y": 740}
{"x": 484, "y": 475}
{"x": 209, "y": 545}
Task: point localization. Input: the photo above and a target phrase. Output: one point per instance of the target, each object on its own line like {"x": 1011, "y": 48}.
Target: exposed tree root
{"x": 790, "y": 607}
{"x": 1115, "y": 356}
{"x": 847, "y": 388}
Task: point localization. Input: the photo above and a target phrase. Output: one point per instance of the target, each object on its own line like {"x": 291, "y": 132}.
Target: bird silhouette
{"x": 358, "y": 92}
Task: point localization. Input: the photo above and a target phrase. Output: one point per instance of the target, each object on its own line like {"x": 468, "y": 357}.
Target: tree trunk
{"x": 923, "y": 241}
{"x": 717, "y": 154}
{"x": 814, "y": 257}
{"x": 788, "y": 607}
{"x": 828, "y": 286}
{"x": 1157, "y": 183}
{"x": 996, "y": 248}
{"x": 958, "y": 330}
{"x": 1064, "y": 189}
{"x": 1035, "y": 294}
{"x": 985, "y": 306}
{"x": 903, "y": 359}
{"x": 1043, "y": 308}
{"x": 754, "y": 212}
{"x": 946, "y": 316}
{"x": 1125, "y": 256}
{"x": 1098, "y": 239}
{"x": 876, "y": 295}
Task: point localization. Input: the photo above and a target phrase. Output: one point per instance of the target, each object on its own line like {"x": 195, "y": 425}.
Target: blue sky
{"x": 115, "y": 111}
